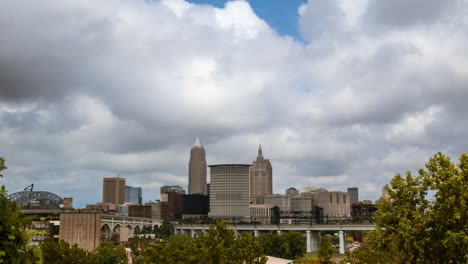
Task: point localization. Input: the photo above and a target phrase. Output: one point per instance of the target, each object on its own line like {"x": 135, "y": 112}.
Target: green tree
{"x": 54, "y": 252}
{"x": 326, "y": 250}
{"x": 296, "y": 244}
{"x": 156, "y": 253}
{"x": 220, "y": 245}
{"x": 184, "y": 250}
{"x": 365, "y": 254}
{"x": 425, "y": 217}
{"x": 248, "y": 249}
{"x": 61, "y": 253}
{"x": 177, "y": 249}
{"x": 2, "y": 166}
{"x": 13, "y": 238}
{"x": 290, "y": 245}
{"x": 165, "y": 230}
{"x": 137, "y": 244}
{"x": 108, "y": 253}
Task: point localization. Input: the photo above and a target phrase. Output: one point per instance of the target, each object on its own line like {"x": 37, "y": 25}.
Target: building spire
{"x": 260, "y": 152}
{"x": 197, "y": 143}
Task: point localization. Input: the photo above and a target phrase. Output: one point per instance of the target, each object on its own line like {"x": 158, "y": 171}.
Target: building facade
{"x": 175, "y": 205}
{"x": 172, "y": 188}
{"x": 122, "y": 210}
{"x": 229, "y": 194}
{"x": 261, "y": 176}
{"x": 195, "y": 206}
{"x": 133, "y": 195}
{"x": 334, "y": 204}
{"x": 113, "y": 190}
{"x": 143, "y": 211}
{"x": 302, "y": 203}
{"x": 353, "y": 194}
{"x": 159, "y": 210}
{"x": 82, "y": 228}
{"x": 197, "y": 169}
{"x": 261, "y": 213}
{"x": 282, "y": 201}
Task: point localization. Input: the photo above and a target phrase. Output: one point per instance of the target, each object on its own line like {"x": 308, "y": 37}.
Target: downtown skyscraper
{"x": 113, "y": 190}
{"x": 197, "y": 169}
{"x": 261, "y": 176}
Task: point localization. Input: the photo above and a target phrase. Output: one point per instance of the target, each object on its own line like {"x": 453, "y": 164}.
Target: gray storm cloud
{"x": 89, "y": 89}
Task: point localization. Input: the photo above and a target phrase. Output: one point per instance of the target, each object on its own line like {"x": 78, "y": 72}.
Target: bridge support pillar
{"x": 193, "y": 233}
{"x": 342, "y": 244}
{"x": 312, "y": 239}
{"x": 236, "y": 232}
{"x": 279, "y": 232}
{"x": 315, "y": 240}
{"x": 256, "y": 233}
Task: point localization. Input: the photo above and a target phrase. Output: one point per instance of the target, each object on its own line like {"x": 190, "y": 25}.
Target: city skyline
{"x": 339, "y": 95}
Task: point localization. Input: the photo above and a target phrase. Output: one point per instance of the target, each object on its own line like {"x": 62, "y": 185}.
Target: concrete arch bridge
{"x": 113, "y": 225}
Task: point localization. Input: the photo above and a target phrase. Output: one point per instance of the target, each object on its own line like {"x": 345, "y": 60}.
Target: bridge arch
{"x": 36, "y": 200}
{"x": 116, "y": 232}
{"x": 105, "y": 232}
{"x": 137, "y": 229}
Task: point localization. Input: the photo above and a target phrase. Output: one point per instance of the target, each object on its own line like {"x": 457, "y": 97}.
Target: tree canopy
{"x": 2, "y": 166}
{"x": 220, "y": 245}
{"x": 326, "y": 250}
{"x": 424, "y": 219}
{"x": 62, "y": 253}
{"x": 13, "y": 238}
{"x": 289, "y": 245}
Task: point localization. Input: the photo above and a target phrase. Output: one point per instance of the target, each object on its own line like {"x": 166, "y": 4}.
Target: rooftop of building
{"x": 229, "y": 165}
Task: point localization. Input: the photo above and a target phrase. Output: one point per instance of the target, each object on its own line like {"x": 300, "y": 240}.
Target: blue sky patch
{"x": 281, "y": 15}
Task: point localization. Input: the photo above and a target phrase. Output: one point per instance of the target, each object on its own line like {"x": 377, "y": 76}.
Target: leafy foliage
{"x": 62, "y": 253}
{"x": 13, "y": 238}
{"x": 166, "y": 229}
{"x": 326, "y": 250}
{"x": 108, "y": 253}
{"x": 289, "y": 245}
{"x": 137, "y": 244}
{"x": 220, "y": 245}
{"x": 425, "y": 217}
{"x": 2, "y": 166}
{"x": 308, "y": 260}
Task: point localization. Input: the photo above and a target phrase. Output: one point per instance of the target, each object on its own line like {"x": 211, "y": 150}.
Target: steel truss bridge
{"x": 37, "y": 200}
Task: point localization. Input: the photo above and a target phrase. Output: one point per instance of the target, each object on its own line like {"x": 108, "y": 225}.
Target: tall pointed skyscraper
{"x": 261, "y": 176}
{"x": 197, "y": 169}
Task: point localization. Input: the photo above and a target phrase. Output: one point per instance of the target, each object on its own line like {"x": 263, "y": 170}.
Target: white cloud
{"x": 412, "y": 128}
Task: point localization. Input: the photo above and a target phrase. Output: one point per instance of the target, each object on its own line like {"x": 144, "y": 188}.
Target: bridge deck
{"x": 347, "y": 227}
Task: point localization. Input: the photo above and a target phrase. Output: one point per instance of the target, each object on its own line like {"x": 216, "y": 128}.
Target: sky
{"x": 338, "y": 94}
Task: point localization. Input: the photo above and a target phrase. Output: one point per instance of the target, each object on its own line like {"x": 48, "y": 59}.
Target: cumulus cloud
{"x": 409, "y": 13}
{"x": 90, "y": 89}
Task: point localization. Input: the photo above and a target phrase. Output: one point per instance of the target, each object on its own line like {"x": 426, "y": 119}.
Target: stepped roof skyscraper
{"x": 197, "y": 169}
{"x": 261, "y": 174}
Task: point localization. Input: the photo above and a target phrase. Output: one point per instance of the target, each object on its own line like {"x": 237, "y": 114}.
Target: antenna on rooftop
{"x": 29, "y": 188}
